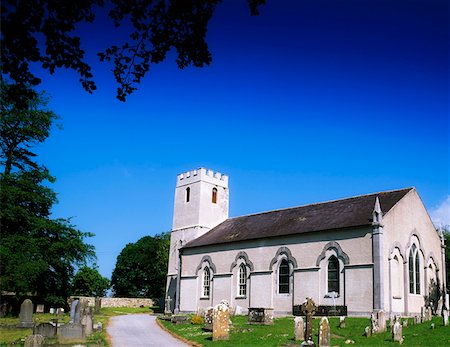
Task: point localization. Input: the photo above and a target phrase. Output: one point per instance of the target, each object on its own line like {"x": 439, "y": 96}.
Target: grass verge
{"x": 282, "y": 333}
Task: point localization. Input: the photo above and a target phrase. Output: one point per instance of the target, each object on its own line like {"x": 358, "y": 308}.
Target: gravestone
{"x": 221, "y": 319}
{"x": 342, "y": 322}
{"x": 200, "y": 312}
{"x": 52, "y": 310}
{"x": 40, "y": 308}
{"x": 417, "y": 319}
{"x": 98, "y": 326}
{"x": 308, "y": 308}
{"x": 423, "y": 314}
{"x": 374, "y": 323}
{"x": 260, "y": 315}
{"x": 209, "y": 314}
{"x": 405, "y": 323}
{"x": 368, "y": 331}
{"x": 86, "y": 321}
{"x": 429, "y": 313}
{"x": 324, "y": 333}
{"x": 238, "y": 310}
{"x": 167, "y": 310}
{"x": 97, "y": 305}
{"x": 59, "y": 311}
{"x": 26, "y": 314}
{"x": 299, "y": 329}
{"x": 381, "y": 320}
{"x": 71, "y": 331}
{"x": 180, "y": 319}
{"x": 397, "y": 332}
{"x": 45, "y": 329}
{"x": 445, "y": 317}
{"x": 73, "y": 311}
{"x": 34, "y": 341}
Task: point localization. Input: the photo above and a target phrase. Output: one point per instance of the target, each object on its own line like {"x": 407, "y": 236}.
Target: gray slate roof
{"x": 337, "y": 214}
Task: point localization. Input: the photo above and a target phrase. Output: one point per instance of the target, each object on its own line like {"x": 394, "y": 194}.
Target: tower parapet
{"x": 202, "y": 174}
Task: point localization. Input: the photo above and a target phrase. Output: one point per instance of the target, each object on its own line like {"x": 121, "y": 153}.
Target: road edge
{"x": 182, "y": 339}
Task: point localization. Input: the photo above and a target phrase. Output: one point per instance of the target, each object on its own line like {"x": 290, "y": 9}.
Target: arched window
{"x": 206, "y": 282}
{"x": 414, "y": 270}
{"x": 283, "y": 277}
{"x": 188, "y": 194}
{"x": 333, "y": 274}
{"x": 214, "y": 195}
{"x": 242, "y": 280}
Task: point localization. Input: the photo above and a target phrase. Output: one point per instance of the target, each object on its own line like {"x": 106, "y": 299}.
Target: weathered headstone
{"x": 34, "y": 341}
{"x": 381, "y": 319}
{"x": 98, "y": 326}
{"x": 417, "y": 319}
{"x": 59, "y": 311}
{"x": 374, "y": 323}
{"x": 308, "y": 308}
{"x": 405, "y": 323}
{"x": 324, "y": 333}
{"x": 397, "y": 332}
{"x": 260, "y": 315}
{"x": 98, "y": 305}
{"x": 87, "y": 322}
{"x": 26, "y": 314}
{"x": 221, "y": 319}
{"x": 445, "y": 317}
{"x": 52, "y": 310}
{"x": 209, "y": 314}
{"x": 367, "y": 331}
{"x": 167, "y": 309}
{"x": 429, "y": 313}
{"x": 71, "y": 331}
{"x": 45, "y": 329}
{"x": 299, "y": 329}
{"x": 238, "y": 310}
{"x": 73, "y": 311}
{"x": 432, "y": 326}
{"x": 423, "y": 314}
{"x": 200, "y": 312}
{"x": 40, "y": 308}
{"x": 342, "y": 322}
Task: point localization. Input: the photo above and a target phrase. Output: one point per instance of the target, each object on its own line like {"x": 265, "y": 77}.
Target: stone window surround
{"x": 283, "y": 253}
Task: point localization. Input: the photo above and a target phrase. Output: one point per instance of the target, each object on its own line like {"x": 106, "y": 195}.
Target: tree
{"x": 37, "y": 254}
{"x": 89, "y": 282}
{"x": 446, "y": 232}
{"x": 42, "y": 32}
{"x": 141, "y": 268}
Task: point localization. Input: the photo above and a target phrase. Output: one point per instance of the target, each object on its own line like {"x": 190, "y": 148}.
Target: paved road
{"x": 139, "y": 330}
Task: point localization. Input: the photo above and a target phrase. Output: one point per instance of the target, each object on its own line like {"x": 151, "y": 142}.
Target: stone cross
{"x": 221, "y": 323}
{"x": 26, "y": 314}
{"x": 299, "y": 329}
{"x": 308, "y": 308}
{"x": 324, "y": 333}
{"x": 167, "y": 309}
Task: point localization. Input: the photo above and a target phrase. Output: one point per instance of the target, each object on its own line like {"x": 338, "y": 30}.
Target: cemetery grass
{"x": 282, "y": 333}
{"x": 12, "y": 336}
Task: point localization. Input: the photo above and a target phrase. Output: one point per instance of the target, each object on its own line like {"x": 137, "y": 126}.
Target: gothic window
{"x": 283, "y": 277}
{"x": 242, "y": 280}
{"x": 333, "y": 274}
{"x": 206, "y": 282}
{"x": 214, "y": 195}
{"x": 414, "y": 270}
{"x": 188, "y": 194}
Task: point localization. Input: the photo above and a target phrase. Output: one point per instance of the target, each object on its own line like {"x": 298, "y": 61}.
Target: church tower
{"x": 201, "y": 203}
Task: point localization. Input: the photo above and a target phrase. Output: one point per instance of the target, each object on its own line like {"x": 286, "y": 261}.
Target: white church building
{"x": 371, "y": 252}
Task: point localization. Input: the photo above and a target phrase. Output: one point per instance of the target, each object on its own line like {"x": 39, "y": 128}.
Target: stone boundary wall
{"x": 117, "y": 302}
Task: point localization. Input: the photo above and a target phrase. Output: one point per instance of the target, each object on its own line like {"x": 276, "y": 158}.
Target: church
{"x": 366, "y": 253}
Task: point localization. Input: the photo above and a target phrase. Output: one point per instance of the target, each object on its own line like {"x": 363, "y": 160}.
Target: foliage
{"x": 282, "y": 333}
{"x": 197, "y": 320}
{"x": 37, "y": 254}
{"x": 141, "y": 268}
{"x": 42, "y": 32}
{"x": 89, "y": 282}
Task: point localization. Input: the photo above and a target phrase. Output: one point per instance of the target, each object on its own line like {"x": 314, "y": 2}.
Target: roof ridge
{"x": 322, "y": 202}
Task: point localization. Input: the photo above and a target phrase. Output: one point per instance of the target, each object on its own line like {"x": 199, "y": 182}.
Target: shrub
{"x": 197, "y": 320}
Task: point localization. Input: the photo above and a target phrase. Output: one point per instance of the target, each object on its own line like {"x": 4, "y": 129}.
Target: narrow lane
{"x": 139, "y": 330}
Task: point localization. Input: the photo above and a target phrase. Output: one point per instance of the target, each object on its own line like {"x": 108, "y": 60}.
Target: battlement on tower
{"x": 202, "y": 174}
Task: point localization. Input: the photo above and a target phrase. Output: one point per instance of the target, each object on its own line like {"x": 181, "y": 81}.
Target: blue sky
{"x": 311, "y": 100}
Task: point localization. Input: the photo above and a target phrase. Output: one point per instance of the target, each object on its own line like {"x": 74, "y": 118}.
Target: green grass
{"x": 282, "y": 333}
{"x": 11, "y": 336}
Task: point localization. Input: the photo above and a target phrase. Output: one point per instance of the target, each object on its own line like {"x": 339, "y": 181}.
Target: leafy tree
{"x": 37, "y": 254}
{"x": 89, "y": 282}
{"x": 141, "y": 268}
{"x": 446, "y": 232}
{"x": 42, "y": 32}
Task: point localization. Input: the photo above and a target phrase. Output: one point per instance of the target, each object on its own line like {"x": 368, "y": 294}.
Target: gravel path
{"x": 139, "y": 330}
